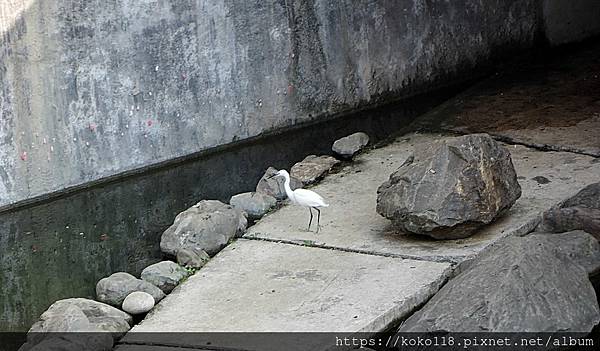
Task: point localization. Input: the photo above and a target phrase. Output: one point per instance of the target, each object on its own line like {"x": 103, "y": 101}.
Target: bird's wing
{"x": 309, "y": 198}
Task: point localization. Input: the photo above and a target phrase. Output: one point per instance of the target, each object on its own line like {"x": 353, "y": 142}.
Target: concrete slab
{"x": 351, "y": 222}
{"x": 260, "y": 286}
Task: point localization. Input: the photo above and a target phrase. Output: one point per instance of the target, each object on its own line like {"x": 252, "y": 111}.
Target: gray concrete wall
{"x": 568, "y": 21}
{"x": 93, "y": 89}
{"x": 117, "y": 227}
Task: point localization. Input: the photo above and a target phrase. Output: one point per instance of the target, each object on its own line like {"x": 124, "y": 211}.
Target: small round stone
{"x": 138, "y": 302}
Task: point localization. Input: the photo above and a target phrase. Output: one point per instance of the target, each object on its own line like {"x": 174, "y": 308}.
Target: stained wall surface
{"x": 95, "y": 89}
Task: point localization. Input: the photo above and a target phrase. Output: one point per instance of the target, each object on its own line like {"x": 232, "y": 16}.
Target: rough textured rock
{"x": 96, "y": 316}
{"x": 582, "y": 211}
{"x": 138, "y": 302}
{"x": 558, "y": 220}
{"x": 166, "y": 275}
{"x": 312, "y": 168}
{"x": 274, "y": 186}
{"x": 78, "y": 315}
{"x": 588, "y": 197}
{"x": 113, "y": 290}
{"x": 209, "y": 225}
{"x": 350, "y": 145}
{"x": 519, "y": 284}
{"x": 255, "y": 204}
{"x": 192, "y": 258}
{"x": 576, "y": 245}
{"x": 450, "y": 188}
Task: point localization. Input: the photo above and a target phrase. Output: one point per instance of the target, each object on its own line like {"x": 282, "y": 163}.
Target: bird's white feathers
{"x": 302, "y": 197}
{"x": 307, "y": 198}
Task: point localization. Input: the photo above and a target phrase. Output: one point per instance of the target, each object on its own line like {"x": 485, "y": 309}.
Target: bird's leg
{"x": 311, "y": 216}
{"x": 318, "y": 218}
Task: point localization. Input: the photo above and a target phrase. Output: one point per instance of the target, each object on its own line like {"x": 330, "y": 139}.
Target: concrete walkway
{"x": 357, "y": 274}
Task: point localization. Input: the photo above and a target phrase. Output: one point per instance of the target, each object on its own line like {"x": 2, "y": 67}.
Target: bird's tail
{"x": 326, "y": 205}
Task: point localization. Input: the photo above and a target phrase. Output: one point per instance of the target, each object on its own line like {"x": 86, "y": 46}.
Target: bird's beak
{"x": 271, "y": 176}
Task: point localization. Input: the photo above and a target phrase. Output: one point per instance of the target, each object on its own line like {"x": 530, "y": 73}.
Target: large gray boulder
{"x": 165, "y": 275}
{"x": 588, "y": 197}
{"x": 63, "y": 323}
{"x": 255, "y": 204}
{"x": 558, "y": 220}
{"x": 209, "y": 225}
{"x": 449, "y": 188}
{"x": 313, "y": 168}
{"x": 350, "y": 145}
{"x": 94, "y": 316}
{"x": 192, "y": 258}
{"x": 536, "y": 283}
{"x": 113, "y": 289}
{"x": 274, "y": 186}
{"x": 580, "y": 212}
{"x": 577, "y": 246}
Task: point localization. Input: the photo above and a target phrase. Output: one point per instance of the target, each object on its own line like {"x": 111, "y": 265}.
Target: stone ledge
{"x": 259, "y": 286}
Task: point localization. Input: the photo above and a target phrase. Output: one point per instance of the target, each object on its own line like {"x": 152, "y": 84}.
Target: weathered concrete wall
{"x": 117, "y": 226}
{"x": 90, "y": 90}
{"x": 568, "y": 21}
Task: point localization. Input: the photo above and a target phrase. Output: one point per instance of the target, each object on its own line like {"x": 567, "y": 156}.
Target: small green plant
{"x": 191, "y": 270}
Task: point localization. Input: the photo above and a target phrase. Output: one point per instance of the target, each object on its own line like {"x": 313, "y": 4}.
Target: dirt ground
{"x": 551, "y": 100}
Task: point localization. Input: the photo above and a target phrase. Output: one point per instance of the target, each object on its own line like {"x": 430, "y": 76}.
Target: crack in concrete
{"x": 395, "y": 324}
{"x": 543, "y": 147}
{"x": 440, "y": 259}
{"x": 424, "y": 129}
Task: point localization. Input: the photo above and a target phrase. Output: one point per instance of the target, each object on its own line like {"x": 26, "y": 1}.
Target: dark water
{"x": 60, "y": 248}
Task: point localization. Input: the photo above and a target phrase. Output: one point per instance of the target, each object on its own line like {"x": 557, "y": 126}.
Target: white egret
{"x": 303, "y": 197}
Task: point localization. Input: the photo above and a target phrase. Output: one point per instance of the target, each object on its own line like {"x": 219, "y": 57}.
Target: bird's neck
{"x": 286, "y": 186}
